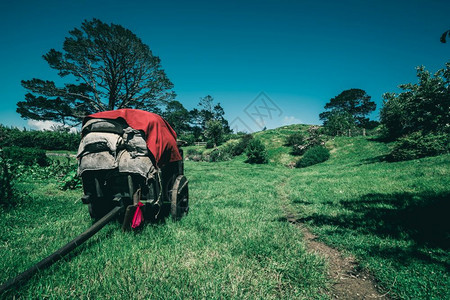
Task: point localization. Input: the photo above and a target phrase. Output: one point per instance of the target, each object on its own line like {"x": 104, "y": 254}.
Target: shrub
{"x": 188, "y": 138}
{"x": 192, "y": 151}
{"x": 7, "y": 190}
{"x": 221, "y": 154}
{"x": 296, "y": 141}
{"x": 47, "y": 140}
{"x": 240, "y": 147}
{"x": 71, "y": 180}
{"x": 256, "y": 152}
{"x": 314, "y": 138}
{"x": 26, "y": 156}
{"x": 296, "y": 138}
{"x": 418, "y": 145}
{"x": 313, "y": 156}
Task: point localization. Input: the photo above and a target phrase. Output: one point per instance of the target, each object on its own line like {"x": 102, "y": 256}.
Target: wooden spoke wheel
{"x": 179, "y": 198}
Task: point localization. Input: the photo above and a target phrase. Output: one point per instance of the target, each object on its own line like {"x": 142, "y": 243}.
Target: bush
{"x": 7, "y": 190}
{"x": 71, "y": 180}
{"x": 26, "y": 156}
{"x": 296, "y": 141}
{"x": 188, "y": 138}
{"x": 47, "y": 140}
{"x": 313, "y": 156}
{"x": 296, "y": 138}
{"x": 192, "y": 152}
{"x": 256, "y": 152}
{"x": 421, "y": 106}
{"x": 418, "y": 145}
{"x": 221, "y": 154}
{"x": 240, "y": 147}
{"x": 314, "y": 138}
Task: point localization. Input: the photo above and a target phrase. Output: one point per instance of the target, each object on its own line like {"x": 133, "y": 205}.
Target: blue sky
{"x": 300, "y": 54}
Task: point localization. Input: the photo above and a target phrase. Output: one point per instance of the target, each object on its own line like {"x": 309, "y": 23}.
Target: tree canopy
{"x": 209, "y": 111}
{"x": 106, "y": 67}
{"x": 177, "y": 116}
{"x": 347, "y": 110}
{"x": 422, "y": 106}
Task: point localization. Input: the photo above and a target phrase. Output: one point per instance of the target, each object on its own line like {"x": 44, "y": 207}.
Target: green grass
{"x": 392, "y": 216}
{"x": 235, "y": 243}
{"x": 231, "y": 245}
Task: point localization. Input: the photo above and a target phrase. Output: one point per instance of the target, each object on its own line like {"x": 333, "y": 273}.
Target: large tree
{"x": 354, "y": 104}
{"x": 106, "y": 67}
{"x": 177, "y": 116}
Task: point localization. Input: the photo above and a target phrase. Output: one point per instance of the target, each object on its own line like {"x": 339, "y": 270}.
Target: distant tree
{"x": 354, "y": 103}
{"x": 107, "y": 67}
{"x": 177, "y": 116}
{"x": 339, "y": 123}
{"x": 219, "y": 114}
{"x": 423, "y": 106}
{"x": 214, "y": 132}
{"x": 209, "y": 111}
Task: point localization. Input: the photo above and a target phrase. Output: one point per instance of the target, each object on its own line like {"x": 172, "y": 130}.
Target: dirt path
{"x": 348, "y": 281}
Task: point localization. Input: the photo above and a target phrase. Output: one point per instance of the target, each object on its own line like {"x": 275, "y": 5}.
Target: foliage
{"x": 112, "y": 69}
{"x": 208, "y": 111}
{"x": 47, "y": 140}
{"x": 194, "y": 154}
{"x": 189, "y": 138}
{"x": 214, "y": 132}
{"x": 295, "y": 139}
{"x": 63, "y": 174}
{"x": 7, "y": 190}
{"x": 71, "y": 180}
{"x": 240, "y": 146}
{"x": 297, "y": 143}
{"x": 221, "y": 154}
{"x": 177, "y": 116}
{"x": 26, "y": 156}
{"x": 418, "y": 145}
{"x": 313, "y": 156}
{"x": 349, "y": 109}
{"x": 339, "y": 123}
{"x": 314, "y": 138}
{"x": 256, "y": 152}
{"x": 423, "y": 106}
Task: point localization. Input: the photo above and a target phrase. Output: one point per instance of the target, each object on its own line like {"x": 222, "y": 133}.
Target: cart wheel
{"x": 179, "y": 198}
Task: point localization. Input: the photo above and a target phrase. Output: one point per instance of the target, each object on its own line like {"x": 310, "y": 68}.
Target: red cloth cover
{"x": 137, "y": 218}
{"x": 161, "y": 138}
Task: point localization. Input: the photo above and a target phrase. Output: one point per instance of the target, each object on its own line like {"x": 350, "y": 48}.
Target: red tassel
{"x": 137, "y": 219}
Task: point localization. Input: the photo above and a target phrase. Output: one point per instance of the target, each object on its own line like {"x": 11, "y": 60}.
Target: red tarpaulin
{"x": 161, "y": 138}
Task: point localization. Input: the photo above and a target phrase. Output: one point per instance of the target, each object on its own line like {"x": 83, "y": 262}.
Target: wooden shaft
{"x": 57, "y": 255}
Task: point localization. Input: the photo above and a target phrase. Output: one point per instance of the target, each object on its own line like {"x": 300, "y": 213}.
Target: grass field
{"x": 236, "y": 243}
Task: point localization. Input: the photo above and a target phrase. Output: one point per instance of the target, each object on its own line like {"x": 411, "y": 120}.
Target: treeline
{"x": 46, "y": 140}
{"x": 206, "y": 123}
